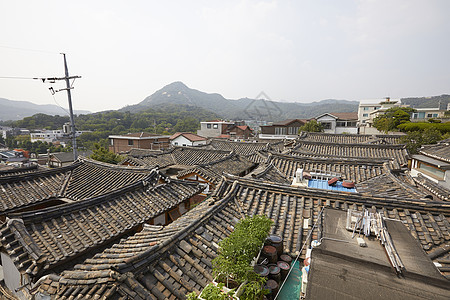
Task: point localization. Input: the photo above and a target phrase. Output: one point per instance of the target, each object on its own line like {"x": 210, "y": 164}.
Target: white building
{"x": 187, "y": 139}
{"x": 370, "y": 109}
{"x": 339, "y": 122}
{"x": 214, "y": 128}
{"x": 51, "y": 136}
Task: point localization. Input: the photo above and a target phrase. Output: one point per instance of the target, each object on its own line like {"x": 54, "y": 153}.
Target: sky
{"x": 294, "y": 51}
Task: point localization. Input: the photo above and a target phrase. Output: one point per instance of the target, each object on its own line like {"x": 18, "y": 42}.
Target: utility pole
{"x": 69, "y": 96}
{"x": 72, "y": 123}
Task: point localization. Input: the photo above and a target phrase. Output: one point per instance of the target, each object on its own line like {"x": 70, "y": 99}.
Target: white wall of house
{"x": 12, "y": 276}
{"x": 182, "y": 141}
{"x": 444, "y": 180}
{"x": 329, "y": 123}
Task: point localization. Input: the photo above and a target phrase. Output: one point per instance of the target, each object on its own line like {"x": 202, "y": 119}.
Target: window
{"x": 208, "y": 126}
{"x": 377, "y": 107}
{"x": 280, "y": 131}
{"x": 215, "y": 126}
{"x": 431, "y": 170}
{"x": 112, "y": 142}
{"x": 326, "y": 125}
{"x": 351, "y": 124}
{"x": 366, "y": 108}
{"x": 340, "y": 124}
{"x": 435, "y": 115}
{"x": 130, "y": 142}
{"x": 429, "y": 115}
{"x": 293, "y": 130}
{"x": 365, "y": 115}
{"x": 176, "y": 143}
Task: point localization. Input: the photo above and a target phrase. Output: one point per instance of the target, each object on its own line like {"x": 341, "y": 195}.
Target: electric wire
{"x": 28, "y": 49}
{"x": 300, "y": 252}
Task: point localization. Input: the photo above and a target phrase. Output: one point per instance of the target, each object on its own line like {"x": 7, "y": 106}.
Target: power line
{"x": 28, "y": 49}
{"x": 17, "y": 77}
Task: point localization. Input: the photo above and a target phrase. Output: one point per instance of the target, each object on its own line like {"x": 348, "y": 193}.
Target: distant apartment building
{"x": 343, "y": 122}
{"x": 423, "y": 114}
{"x": 287, "y": 129}
{"x": 369, "y": 110}
{"x": 139, "y": 140}
{"x": 51, "y": 136}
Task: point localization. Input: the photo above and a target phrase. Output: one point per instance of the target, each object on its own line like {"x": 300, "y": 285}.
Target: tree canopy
{"x": 102, "y": 154}
{"x": 392, "y": 118}
{"x": 312, "y": 126}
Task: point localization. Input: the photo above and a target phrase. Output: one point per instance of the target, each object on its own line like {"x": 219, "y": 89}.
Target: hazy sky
{"x": 292, "y": 50}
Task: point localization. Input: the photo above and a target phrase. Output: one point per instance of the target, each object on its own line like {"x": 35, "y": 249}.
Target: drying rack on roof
{"x": 323, "y": 175}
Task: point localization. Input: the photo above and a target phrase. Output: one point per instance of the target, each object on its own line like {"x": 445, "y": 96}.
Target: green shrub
{"x": 408, "y": 127}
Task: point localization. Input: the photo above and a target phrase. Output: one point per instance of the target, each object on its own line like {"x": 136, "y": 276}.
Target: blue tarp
{"x": 323, "y": 184}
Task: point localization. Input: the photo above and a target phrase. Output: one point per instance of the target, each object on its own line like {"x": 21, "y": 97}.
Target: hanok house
{"x": 36, "y": 243}
{"x": 287, "y": 129}
{"x": 395, "y": 154}
{"x": 187, "y": 139}
{"x": 239, "y": 132}
{"x": 339, "y": 122}
{"x": 62, "y": 159}
{"x": 171, "y": 261}
{"x": 210, "y": 174}
{"x": 140, "y": 140}
{"x": 431, "y": 168}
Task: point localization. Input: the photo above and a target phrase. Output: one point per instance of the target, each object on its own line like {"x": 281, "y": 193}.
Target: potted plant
{"x": 239, "y": 249}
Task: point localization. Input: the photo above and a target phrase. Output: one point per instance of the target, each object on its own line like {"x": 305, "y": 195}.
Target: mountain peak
{"x": 177, "y": 85}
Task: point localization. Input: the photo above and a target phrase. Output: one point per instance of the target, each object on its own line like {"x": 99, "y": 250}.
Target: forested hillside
{"x": 164, "y": 120}
{"x": 177, "y": 93}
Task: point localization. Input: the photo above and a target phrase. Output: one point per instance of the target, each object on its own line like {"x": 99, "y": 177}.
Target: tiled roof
{"x": 388, "y": 185}
{"x": 258, "y": 157}
{"x": 439, "y": 151}
{"x": 68, "y": 156}
{"x": 60, "y": 233}
{"x": 289, "y": 121}
{"x": 241, "y": 148}
{"x": 356, "y": 170}
{"x": 232, "y": 164}
{"x": 349, "y": 138}
{"x": 169, "y": 262}
{"x": 136, "y": 152}
{"x": 269, "y": 173}
{"x": 436, "y": 189}
{"x": 161, "y": 262}
{"x": 81, "y": 180}
{"x": 187, "y": 156}
{"x": 396, "y": 154}
{"x": 10, "y": 171}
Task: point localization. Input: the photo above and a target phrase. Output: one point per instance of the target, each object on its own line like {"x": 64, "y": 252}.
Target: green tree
{"x": 312, "y": 126}
{"x": 102, "y": 154}
{"x": 392, "y": 118}
{"x": 415, "y": 139}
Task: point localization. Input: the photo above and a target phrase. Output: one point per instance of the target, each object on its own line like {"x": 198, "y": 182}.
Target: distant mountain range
{"x": 245, "y": 108}
{"x": 17, "y": 110}
{"x": 178, "y": 93}
{"x": 441, "y": 101}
